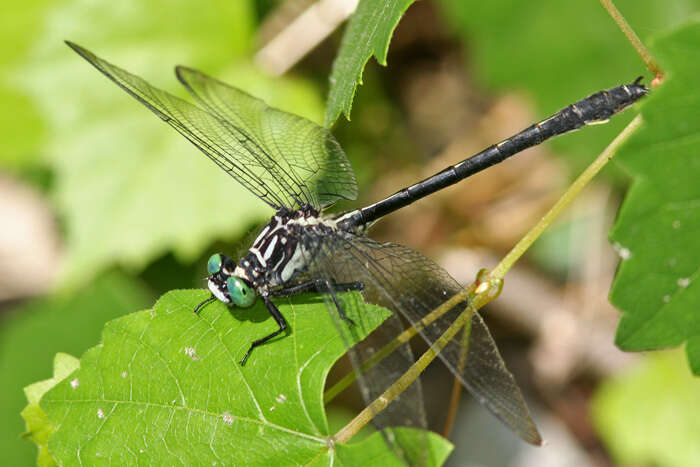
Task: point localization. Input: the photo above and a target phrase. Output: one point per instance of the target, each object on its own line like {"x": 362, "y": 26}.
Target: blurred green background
{"x": 104, "y": 208}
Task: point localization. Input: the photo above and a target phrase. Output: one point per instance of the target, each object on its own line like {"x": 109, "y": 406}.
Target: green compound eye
{"x": 241, "y": 294}
{"x": 214, "y": 264}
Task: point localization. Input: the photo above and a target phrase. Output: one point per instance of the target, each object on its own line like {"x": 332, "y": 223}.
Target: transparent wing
{"x": 228, "y": 146}
{"x": 407, "y": 410}
{"x": 412, "y": 286}
{"x": 309, "y": 154}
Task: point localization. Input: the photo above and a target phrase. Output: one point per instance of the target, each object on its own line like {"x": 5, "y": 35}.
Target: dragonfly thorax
{"x": 279, "y": 253}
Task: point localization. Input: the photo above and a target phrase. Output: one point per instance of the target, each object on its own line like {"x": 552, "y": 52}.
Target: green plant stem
{"x": 483, "y": 293}
{"x": 522, "y": 246}
{"x": 651, "y": 63}
{"x": 381, "y": 402}
{"x": 402, "y": 338}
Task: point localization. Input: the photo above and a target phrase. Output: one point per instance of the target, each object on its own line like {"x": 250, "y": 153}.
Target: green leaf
{"x": 651, "y": 414}
{"x": 558, "y": 52}
{"x": 31, "y": 335}
{"x": 367, "y": 34}
{"x": 119, "y": 171}
{"x": 63, "y": 365}
{"x": 165, "y": 387}
{"x": 38, "y": 426}
{"x": 657, "y": 228}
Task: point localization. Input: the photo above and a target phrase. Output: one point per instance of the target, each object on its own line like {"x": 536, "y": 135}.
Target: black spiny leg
{"x": 322, "y": 285}
{"x": 315, "y": 285}
{"x": 198, "y": 307}
{"x": 280, "y": 321}
{"x": 331, "y": 292}
{"x": 319, "y": 285}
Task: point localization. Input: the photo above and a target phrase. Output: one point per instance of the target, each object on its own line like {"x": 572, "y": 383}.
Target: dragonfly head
{"x": 227, "y": 283}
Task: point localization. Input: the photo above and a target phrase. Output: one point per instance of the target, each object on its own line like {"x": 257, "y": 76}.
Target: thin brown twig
{"x": 457, "y": 384}
{"x": 455, "y": 397}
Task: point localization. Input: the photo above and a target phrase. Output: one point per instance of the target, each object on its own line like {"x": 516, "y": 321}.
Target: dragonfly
{"x": 299, "y": 169}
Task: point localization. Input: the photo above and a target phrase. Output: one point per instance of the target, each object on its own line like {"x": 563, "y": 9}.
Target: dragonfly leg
{"x": 326, "y": 284}
{"x": 322, "y": 285}
{"x": 308, "y": 286}
{"x": 198, "y": 307}
{"x": 348, "y": 286}
{"x": 316, "y": 285}
{"x": 280, "y": 321}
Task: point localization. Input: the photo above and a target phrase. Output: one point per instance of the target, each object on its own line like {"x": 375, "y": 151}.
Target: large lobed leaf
{"x": 658, "y": 227}
{"x": 165, "y": 387}
{"x": 367, "y": 34}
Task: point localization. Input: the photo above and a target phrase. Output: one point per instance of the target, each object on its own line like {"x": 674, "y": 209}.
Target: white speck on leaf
{"x": 100, "y": 413}
{"x": 141, "y": 451}
{"x": 667, "y": 298}
{"x": 191, "y": 353}
{"x": 272, "y": 408}
{"x": 683, "y": 282}
{"x": 676, "y": 224}
{"x": 124, "y": 374}
{"x": 75, "y": 383}
{"x": 281, "y": 398}
{"x": 623, "y": 252}
{"x": 227, "y": 418}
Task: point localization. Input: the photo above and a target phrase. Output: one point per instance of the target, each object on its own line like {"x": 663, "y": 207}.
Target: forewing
{"x": 310, "y": 156}
{"x": 411, "y": 285}
{"x": 225, "y": 144}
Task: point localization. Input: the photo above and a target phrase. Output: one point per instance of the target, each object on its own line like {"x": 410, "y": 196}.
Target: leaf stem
{"x": 381, "y": 402}
{"x": 484, "y": 293}
{"x": 522, "y": 246}
{"x": 651, "y": 63}
{"x": 402, "y": 338}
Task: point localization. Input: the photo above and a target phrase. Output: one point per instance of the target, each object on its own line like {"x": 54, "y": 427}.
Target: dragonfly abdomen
{"x": 596, "y": 108}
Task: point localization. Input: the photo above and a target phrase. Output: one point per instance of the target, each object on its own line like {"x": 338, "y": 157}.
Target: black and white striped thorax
{"x": 281, "y": 250}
